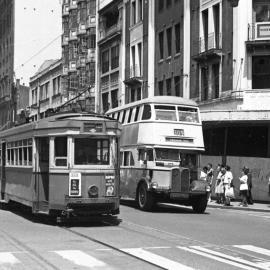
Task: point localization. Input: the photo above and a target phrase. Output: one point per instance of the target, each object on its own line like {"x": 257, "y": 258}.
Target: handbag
{"x": 229, "y": 192}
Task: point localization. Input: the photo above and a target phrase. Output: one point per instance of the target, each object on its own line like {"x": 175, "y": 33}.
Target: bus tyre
{"x": 199, "y": 204}
{"x": 145, "y": 199}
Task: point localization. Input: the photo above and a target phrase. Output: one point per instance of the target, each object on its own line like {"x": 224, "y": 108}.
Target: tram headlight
{"x": 109, "y": 185}
{"x": 93, "y": 191}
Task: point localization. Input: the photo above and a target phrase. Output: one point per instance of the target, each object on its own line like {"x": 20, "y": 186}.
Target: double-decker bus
{"x": 160, "y": 148}
{"x": 64, "y": 165}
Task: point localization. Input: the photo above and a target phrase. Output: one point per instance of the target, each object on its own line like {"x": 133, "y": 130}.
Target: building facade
{"x": 79, "y": 50}
{"x": 46, "y": 91}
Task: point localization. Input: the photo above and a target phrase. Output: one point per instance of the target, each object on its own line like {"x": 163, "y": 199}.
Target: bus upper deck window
{"x": 188, "y": 114}
{"x": 136, "y": 113}
{"x": 60, "y": 151}
{"x": 146, "y": 112}
{"x": 165, "y": 113}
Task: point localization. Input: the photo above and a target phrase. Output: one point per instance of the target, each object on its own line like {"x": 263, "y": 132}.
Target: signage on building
{"x": 263, "y": 30}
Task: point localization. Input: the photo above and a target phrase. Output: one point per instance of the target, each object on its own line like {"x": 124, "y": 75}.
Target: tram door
{"x": 42, "y": 173}
{"x": 3, "y": 171}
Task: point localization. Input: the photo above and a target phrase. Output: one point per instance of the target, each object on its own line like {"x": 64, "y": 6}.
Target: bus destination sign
{"x": 179, "y": 132}
{"x": 75, "y": 184}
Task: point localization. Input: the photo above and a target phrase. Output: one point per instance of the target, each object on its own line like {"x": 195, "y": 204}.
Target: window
{"x": 115, "y": 57}
{"x": 262, "y": 10}
{"x": 160, "y": 5}
{"x": 137, "y": 110}
{"x": 165, "y": 113}
{"x": 168, "y": 3}
{"x": 105, "y": 101}
{"x": 140, "y": 58}
{"x": 146, "y": 154}
{"x": 56, "y": 85}
{"x": 128, "y": 158}
{"x": 161, "y": 45}
{"x": 89, "y": 151}
{"x": 160, "y": 88}
{"x": 140, "y": 10}
{"x": 177, "y": 86}
{"x": 60, "y": 151}
{"x": 169, "y": 41}
{"x": 114, "y": 96}
{"x": 129, "y": 115}
{"x": 133, "y": 12}
{"x": 34, "y": 96}
{"x": 105, "y": 61}
{"x": 169, "y": 87}
{"x": 123, "y": 117}
{"x": 188, "y": 114}
{"x": 177, "y": 38}
{"x": 146, "y": 112}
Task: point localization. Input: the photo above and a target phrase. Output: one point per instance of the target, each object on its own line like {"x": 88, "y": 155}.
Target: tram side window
{"x": 128, "y": 158}
{"x": 149, "y": 154}
{"x": 60, "y": 151}
{"x": 90, "y": 151}
{"x": 146, "y": 112}
{"x": 136, "y": 113}
{"x": 188, "y": 114}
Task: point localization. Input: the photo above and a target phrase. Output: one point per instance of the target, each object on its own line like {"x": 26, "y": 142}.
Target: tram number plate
{"x": 75, "y": 184}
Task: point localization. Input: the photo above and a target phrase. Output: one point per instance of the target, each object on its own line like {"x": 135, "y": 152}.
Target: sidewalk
{"x": 257, "y": 207}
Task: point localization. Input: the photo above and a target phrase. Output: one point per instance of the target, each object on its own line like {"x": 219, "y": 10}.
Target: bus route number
{"x": 179, "y": 132}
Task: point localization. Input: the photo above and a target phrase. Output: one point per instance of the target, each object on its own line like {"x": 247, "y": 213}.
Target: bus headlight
{"x": 109, "y": 185}
{"x": 93, "y": 191}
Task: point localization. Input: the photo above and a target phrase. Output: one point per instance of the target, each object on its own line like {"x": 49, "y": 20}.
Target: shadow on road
{"x": 90, "y": 221}
{"x": 164, "y": 208}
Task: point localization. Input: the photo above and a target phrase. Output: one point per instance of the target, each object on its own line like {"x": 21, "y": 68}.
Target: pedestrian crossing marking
{"x": 80, "y": 258}
{"x": 197, "y": 252}
{"x": 254, "y": 249}
{"x": 8, "y": 258}
{"x": 156, "y": 259}
{"x": 237, "y": 259}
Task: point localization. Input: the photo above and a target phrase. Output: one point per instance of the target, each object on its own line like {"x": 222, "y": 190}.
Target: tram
{"x": 64, "y": 165}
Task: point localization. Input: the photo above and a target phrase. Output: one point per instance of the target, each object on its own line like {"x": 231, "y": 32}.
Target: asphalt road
{"x": 170, "y": 237}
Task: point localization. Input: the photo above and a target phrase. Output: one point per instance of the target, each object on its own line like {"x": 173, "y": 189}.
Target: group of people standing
{"x": 224, "y": 185}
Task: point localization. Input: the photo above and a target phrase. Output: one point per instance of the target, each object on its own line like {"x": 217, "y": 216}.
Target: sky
{"x": 38, "y": 28}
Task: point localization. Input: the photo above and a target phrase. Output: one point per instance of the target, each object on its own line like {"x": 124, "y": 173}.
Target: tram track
{"x": 31, "y": 253}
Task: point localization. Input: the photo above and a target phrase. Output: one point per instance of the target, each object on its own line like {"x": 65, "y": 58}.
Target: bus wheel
{"x": 199, "y": 204}
{"x": 145, "y": 198}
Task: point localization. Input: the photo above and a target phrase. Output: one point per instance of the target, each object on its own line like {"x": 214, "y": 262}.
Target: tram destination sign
{"x": 74, "y": 184}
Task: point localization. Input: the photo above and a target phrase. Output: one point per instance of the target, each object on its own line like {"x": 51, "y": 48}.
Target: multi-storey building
{"x": 45, "y": 89}
{"x": 143, "y": 50}
{"x": 24, "y": 43}
{"x": 78, "y": 49}
{"x": 232, "y": 84}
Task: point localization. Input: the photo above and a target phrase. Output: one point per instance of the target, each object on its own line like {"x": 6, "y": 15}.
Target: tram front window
{"x": 91, "y": 151}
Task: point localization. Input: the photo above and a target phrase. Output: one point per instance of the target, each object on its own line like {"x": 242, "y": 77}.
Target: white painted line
{"x": 216, "y": 258}
{"x": 254, "y": 249}
{"x": 80, "y": 258}
{"x": 156, "y": 247}
{"x": 237, "y": 259}
{"x": 156, "y": 259}
{"x": 8, "y": 258}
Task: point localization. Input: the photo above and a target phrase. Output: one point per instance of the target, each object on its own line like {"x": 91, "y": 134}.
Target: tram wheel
{"x": 199, "y": 204}
{"x": 145, "y": 199}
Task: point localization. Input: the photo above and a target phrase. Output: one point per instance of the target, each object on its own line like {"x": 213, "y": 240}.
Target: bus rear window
{"x": 188, "y": 115}
{"x": 165, "y": 113}
{"x": 90, "y": 151}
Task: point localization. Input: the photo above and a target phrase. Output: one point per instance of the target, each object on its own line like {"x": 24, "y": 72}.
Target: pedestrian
{"x": 203, "y": 175}
{"x": 243, "y": 187}
{"x": 210, "y": 175}
{"x": 249, "y": 183}
{"x": 219, "y": 184}
{"x": 228, "y": 185}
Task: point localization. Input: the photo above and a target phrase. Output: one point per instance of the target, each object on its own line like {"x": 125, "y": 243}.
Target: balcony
{"x": 72, "y": 66}
{"x": 73, "y": 35}
{"x": 258, "y": 36}
{"x": 91, "y": 55}
{"x": 82, "y": 29}
{"x": 208, "y": 48}
{"x": 65, "y": 10}
{"x": 91, "y": 21}
{"x": 73, "y": 4}
{"x": 108, "y": 33}
{"x": 133, "y": 75}
{"x": 81, "y": 62}
{"x": 65, "y": 40}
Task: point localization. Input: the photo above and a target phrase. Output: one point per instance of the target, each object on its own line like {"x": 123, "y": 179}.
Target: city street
{"x": 171, "y": 237}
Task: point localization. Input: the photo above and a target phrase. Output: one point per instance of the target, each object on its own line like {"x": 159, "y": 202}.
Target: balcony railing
{"x": 212, "y": 42}
{"x": 103, "y": 33}
{"x": 259, "y": 31}
{"x": 133, "y": 72}
{"x": 91, "y": 21}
